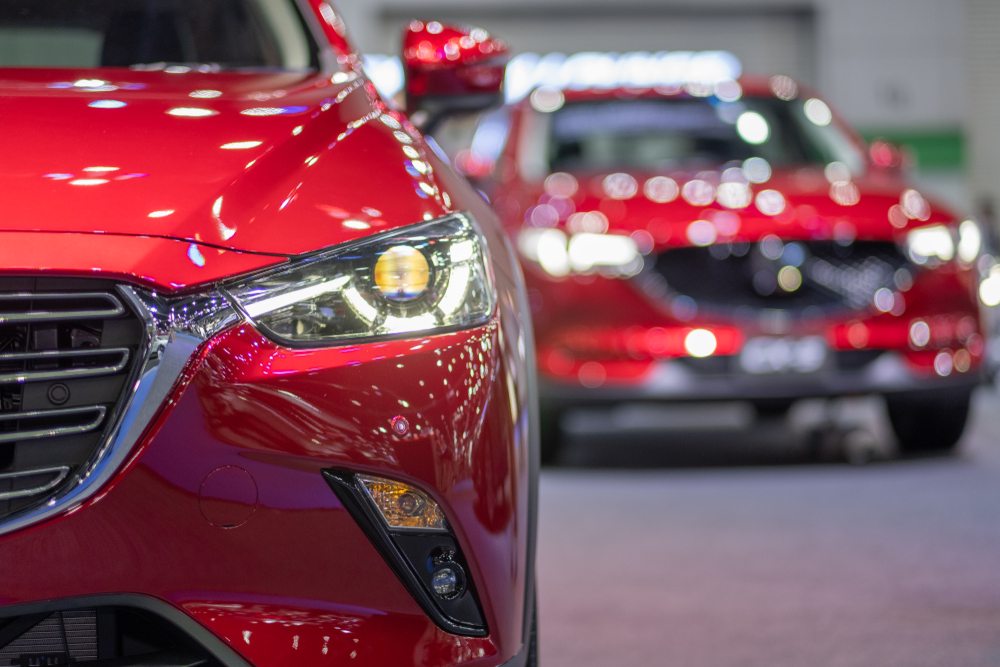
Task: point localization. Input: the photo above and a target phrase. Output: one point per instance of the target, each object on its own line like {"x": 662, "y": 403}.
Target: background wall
{"x": 895, "y": 68}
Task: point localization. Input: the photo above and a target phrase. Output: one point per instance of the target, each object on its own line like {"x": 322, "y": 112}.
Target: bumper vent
{"x": 103, "y": 636}
{"x": 67, "y": 351}
{"x": 735, "y": 278}
{"x": 58, "y": 639}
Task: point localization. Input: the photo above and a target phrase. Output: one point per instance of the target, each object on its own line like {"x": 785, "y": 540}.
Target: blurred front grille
{"x": 741, "y": 280}
{"x": 67, "y": 349}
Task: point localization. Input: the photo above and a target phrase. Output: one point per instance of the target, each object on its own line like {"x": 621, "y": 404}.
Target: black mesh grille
{"x": 727, "y": 277}
{"x": 67, "y": 348}
{"x": 61, "y": 638}
{"x": 98, "y": 637}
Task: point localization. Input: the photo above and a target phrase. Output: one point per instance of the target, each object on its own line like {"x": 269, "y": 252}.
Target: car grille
{"x": 61, "y": 638}
{"x": 67, "y": 350}
{"x": 727, "y": 277}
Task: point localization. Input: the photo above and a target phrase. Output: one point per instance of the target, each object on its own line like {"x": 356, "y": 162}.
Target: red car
{"x": 266, "y": 393}
{"x": 736, "y": 241}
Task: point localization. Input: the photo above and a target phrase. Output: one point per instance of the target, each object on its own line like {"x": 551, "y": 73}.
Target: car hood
{"x": 796, "y": 203}
{"x": 277, "y": 163}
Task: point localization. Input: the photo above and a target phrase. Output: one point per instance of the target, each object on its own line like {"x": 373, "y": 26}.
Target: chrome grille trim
{"x": 116, "y": 309}
{"x": 63, "y": 373}
{"x": 60, "y": 472}
{"x": 174, "y": 332}
{"x": 15, "y": 436}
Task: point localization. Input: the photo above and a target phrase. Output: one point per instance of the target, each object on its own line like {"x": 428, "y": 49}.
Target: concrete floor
{"x": 734, "y": 547}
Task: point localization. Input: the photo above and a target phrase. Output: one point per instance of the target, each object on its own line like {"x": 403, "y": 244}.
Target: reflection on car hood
{"x": 281, "y": 163}
{"x": 796, "y": 203}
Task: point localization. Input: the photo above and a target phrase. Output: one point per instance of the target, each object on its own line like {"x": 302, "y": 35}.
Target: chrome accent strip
{"x": 175, "y": 331}
{"x": 52, "y": 316}
{"x": 15, "y": 436}
{"x": 62, "y": 471}
{"x": 64, "y": 373}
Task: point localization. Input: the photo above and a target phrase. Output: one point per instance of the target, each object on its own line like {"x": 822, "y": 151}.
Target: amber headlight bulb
{"x": 402, "y": 273}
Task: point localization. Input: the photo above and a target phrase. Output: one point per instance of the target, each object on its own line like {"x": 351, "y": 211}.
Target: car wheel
{"x": 551, "y": 434}
{"x": 930, "y": 420}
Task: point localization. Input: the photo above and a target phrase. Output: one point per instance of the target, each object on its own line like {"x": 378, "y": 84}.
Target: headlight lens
{"x": 432, "y": 276}
{"x": 925, "y": 243}
{"x": 583, "y": 252}
{"x": 970, "y": 241}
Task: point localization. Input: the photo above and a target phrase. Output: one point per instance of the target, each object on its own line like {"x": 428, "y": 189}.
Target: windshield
{"x": 227, "y": 34}
{"x": 654, "y": 134}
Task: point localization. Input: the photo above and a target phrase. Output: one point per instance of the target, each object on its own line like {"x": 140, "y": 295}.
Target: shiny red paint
{"x": 607, "y": 322}
{"x": 283, "y": 415}
{"x": 284, "y": 575}
{"x": 279, "y": 152}
{"x": 165, "y": 264}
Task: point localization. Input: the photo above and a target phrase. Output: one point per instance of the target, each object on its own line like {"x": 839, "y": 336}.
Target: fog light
{"x": 402, "y": 273}
{"x": 700, "y": 343}
{"x": 403, "y": 506}
{"x": 445, "y": 582}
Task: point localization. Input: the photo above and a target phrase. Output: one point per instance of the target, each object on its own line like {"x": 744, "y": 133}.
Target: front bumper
{"x": 687, "y": 380}
{"x": 286, "y": 576}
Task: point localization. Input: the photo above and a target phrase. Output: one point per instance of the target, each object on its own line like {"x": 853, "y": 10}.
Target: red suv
{"x": 266, "y": 389}
{"x": 733, "y": 241}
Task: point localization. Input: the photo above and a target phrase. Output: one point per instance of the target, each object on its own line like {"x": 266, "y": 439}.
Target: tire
{"x": 551, "y": 434}
{"x": 929, "y": 421}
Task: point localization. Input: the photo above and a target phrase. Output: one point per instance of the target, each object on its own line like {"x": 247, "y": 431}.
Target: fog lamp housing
{"x": 409, "y": 529}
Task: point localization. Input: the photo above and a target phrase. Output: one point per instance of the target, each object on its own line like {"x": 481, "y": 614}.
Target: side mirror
{"x": 451, "y": 70}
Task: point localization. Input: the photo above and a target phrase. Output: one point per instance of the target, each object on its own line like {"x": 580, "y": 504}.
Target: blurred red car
{"x": 266, "y": 387}
{"x": 734, "y": 242}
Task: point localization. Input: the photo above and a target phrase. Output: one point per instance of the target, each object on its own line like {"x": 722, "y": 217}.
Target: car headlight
{"x": 427, "y": 277}
{"x": 559, "y": 254}
{"x": 925, "y": 243}
{"x": 970, "y": 241}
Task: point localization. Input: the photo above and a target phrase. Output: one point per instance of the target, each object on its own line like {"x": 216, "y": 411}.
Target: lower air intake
{"x": 98, "y": 637}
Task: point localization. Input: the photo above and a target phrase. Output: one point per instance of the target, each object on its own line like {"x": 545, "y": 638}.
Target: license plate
{"x": 784, "y": 355}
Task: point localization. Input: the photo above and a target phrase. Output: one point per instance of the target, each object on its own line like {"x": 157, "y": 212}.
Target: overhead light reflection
{"x": 817, "y": 112}
{"x": 752, "y": 127}
{"x": 239, "y": 145}
{"x": 191, "y": 112}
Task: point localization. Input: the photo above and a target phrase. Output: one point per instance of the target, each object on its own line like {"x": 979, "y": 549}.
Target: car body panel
{"x": 311, "y": 156}
{"x": 296, "y": 580}
{"x": 159, "y": 263}
{"x": 283, "y": 415}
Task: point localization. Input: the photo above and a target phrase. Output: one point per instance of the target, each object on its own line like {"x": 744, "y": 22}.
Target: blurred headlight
{"x": 559, "y": 254}
{"x": 970, "y": 240}
{"x": 926, "y": 243}
{"x": 427, "y": 277}
{"x": 989, "y": 289}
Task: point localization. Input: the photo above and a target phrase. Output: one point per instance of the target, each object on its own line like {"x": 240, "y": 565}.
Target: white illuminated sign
{"x": 527, "y": 71}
